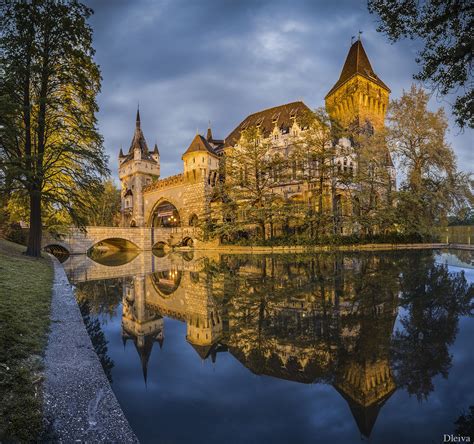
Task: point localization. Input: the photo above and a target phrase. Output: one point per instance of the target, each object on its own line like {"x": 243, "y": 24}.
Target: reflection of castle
{"x": 309, "y": 322}
{"x": 142, "y": 325}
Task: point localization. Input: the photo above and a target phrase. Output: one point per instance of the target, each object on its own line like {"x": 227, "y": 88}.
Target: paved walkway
{"x": 77, "y": 394}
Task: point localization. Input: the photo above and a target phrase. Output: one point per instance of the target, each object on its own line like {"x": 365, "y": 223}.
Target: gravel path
{"x": 77, "y": 394}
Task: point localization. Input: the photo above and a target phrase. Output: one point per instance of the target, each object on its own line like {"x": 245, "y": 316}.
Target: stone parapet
{"x": 170, "y": 181}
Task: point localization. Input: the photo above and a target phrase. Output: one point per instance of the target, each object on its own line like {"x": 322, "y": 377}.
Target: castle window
{"x": 194, "y": 160}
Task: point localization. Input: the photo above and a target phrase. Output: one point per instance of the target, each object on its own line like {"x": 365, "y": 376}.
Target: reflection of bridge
{"x": 81, "y": 268}
{"x": 79, "y": 241}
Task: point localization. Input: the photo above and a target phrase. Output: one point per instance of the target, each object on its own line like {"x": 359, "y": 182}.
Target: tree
{"x": 315, "y": 154}
{"x": 50, "y": 149}
{"x": 432, "y": 300}
{"x": 465, "y": 423}
{"x": 248, "y": 180}
{"x": 433, "y": 188}
{"x": 446, "y": 27}
{"x": 105, "y": 208}
{"x": 374, "y": 192}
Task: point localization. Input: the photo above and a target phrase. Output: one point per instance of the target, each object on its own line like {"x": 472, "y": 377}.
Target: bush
{"x": 15, "y": 233}
{"x": 351, "y": 239}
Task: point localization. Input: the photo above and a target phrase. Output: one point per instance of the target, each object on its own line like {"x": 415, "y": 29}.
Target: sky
{"x": 190, "y": 62}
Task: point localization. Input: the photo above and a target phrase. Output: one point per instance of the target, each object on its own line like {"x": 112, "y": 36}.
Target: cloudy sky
{"x": 188, "y": 62}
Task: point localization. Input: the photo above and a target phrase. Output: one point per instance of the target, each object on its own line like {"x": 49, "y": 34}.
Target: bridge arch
{"x": 115, "y": 243}
{"x": 160, "y": 249}
{"x": 59, "y": 250}
{"x": 187, "y": 242}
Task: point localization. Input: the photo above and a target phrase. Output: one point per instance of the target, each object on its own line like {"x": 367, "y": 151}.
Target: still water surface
{"x": 285, "y": 348}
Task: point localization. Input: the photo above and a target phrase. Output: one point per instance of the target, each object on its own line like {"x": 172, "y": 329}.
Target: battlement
{"x": 177, "y": 179}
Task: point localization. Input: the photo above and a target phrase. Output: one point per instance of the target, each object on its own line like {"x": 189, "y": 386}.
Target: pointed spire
{"x": 155, "y": 150}
{"x": 138, "y": 141}
{"x": 357, "y": 62}
{"x": 145, "y": 371}
{"x": 137, "y": 122}
{"x": 209, "y": 132}
{"x": 121, "y": 152}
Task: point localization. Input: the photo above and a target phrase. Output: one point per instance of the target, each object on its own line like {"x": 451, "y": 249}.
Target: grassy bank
{"x": 25, "y": 298}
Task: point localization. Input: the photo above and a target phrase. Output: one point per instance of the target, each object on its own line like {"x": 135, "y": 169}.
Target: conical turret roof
{"x": 138, "y": 142}
{"x": 199, "y": 143}
{"x": 357, "y": 62}
{"x": 365, "y": 416}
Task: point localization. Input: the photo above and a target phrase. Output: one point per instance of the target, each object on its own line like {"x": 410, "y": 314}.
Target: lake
{"x": 298, "y": 348}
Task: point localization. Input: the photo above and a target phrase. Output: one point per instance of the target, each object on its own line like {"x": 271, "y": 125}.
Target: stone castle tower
{"x": 359, "y": 96}
{"x": 138, "y": 168}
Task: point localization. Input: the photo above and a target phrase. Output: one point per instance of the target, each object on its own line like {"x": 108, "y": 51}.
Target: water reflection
{"x": 367, "y": 324}
{"x": 112, "y": 257}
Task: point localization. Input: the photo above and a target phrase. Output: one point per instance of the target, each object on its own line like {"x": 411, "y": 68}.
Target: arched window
{"x": 193, "y": 220}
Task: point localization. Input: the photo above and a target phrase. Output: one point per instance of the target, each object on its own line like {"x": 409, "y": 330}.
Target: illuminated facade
{"x": 358, "y": 99}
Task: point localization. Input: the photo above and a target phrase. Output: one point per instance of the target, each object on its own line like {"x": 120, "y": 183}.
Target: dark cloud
{"x": 188, "y": 62}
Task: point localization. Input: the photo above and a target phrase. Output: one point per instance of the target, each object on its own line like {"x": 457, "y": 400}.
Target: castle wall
{"x": 188, "y": 194}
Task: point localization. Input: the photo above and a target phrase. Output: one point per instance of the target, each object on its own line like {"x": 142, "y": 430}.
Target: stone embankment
{"x": 329, "y": 248}
{"x": 78, "y": 398}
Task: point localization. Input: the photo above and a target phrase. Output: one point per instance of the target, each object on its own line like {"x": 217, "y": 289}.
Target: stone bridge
{"x": 79, "y": 241}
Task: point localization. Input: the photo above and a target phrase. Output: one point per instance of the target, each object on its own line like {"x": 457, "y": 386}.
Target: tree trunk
{"x": 34, "y": 238}
{"x": 262, "y": 226}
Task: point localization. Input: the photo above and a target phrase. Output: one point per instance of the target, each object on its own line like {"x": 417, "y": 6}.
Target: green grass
{"x": 25, "y": 300}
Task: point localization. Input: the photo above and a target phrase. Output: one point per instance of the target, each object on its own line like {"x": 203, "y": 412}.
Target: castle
{"x": 359, "y": 99}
